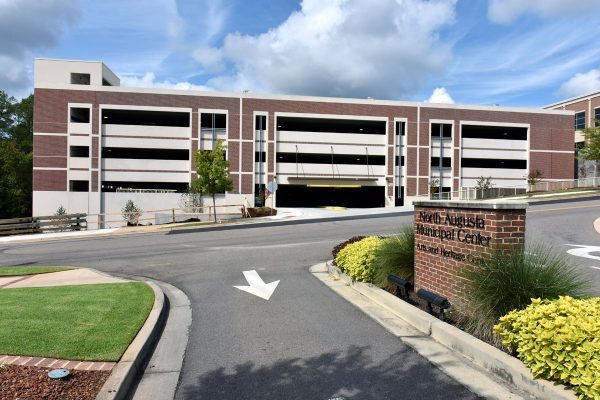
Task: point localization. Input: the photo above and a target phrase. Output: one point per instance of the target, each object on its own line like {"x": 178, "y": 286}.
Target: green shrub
{"x": 559, "y": 340}
{"x": 396, "y": 256}
{"x": 131, "y": 213}
{"x": 340, "y": 246}
{"x": 356, "y": 259}
{"x": 508, "y": 280}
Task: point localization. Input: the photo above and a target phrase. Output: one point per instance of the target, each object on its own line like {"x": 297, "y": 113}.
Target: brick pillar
{"x": 449, "y": 235}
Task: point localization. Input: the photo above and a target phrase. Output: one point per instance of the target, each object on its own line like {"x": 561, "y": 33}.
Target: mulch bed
{"x": 18, "y": 382}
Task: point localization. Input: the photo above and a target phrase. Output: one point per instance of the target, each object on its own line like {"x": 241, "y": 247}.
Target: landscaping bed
{"x": 530, "y": 302}
{"x": 19, "y": 382}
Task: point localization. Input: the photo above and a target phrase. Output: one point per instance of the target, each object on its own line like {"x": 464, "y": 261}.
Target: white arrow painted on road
{"x": 584, "y": 251}
{"x": 257, "y": 286}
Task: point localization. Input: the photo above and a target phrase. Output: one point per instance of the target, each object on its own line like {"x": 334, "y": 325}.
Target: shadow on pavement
{"x": 332, "y": 375}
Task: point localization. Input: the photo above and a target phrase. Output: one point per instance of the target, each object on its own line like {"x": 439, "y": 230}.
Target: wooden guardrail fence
{"x": 52, "y": 223}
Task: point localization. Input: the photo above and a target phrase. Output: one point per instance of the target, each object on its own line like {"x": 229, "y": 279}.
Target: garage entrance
{"x": 351, "y": 196}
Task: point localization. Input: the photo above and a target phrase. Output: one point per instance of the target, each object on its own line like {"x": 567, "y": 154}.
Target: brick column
{"x": 450, "y": 235}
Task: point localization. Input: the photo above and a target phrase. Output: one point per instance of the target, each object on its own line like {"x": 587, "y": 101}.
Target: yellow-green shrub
{"x": 559, "y": 340}
{"x": 356, "y": 259}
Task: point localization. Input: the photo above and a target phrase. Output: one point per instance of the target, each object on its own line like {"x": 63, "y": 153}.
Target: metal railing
{"x": 474, "y": 193}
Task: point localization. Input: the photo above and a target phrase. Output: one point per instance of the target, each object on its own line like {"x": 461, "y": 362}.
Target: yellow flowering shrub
{"x": 559, "y": 340}
{"x": 356, "y": 259}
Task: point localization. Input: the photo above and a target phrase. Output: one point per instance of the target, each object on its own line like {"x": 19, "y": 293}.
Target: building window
{"x": 80, "y": 79}
{"x": 597, "y": 117}
{"x": 325, "y": 158}
{"x": 213, "y": 121}
{"x": 79, "y": 186}
{"x": 446, "y": 162}
{"x": 146, "y": 118}
{"x": 441, "y": 129}
{"x": 79, "y": 151}
{"x": 400, "y": 128}
{"x": 494, "y": 132}
{"x": 80, "y": 115}
{"x": 580, "y": 120}
{"x": 133, "y": 153}
{"x": 333, "y": 125}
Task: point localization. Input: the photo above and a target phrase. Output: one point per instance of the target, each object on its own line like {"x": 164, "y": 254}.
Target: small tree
{"x": 591, "y": 150}
{"x": 131, "y": 213}
{"x": 192, "y": 198}
{"x": 213, "y": 172}
{"x": 483, "y": 185}
{"x": 62, "y": 223}
{"x": 434, "y": 187}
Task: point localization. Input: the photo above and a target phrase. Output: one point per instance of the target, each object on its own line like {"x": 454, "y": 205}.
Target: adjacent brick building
{"x": 97, "y": 144}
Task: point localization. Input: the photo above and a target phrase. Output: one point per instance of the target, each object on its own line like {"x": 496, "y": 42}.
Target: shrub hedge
{"x": 356, "y": 259}
{"x": 559, "y": 340}
{"x": 340, "y": 246}
{"x": 395, "y": 256}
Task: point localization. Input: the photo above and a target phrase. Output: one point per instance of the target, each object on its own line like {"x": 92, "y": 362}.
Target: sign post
{"x": 272, "y": 187}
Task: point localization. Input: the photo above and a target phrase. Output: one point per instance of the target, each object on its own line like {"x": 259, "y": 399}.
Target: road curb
{"x": 132, "y": 362}
{"x": 597, "y": 225}
{"x": 498, "y": 363}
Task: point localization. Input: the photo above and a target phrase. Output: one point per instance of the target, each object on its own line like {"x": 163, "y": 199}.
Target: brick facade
{"x": 450, "y": 235}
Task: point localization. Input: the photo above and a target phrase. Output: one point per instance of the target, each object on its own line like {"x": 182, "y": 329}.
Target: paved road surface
{"x": 304, "y": 343}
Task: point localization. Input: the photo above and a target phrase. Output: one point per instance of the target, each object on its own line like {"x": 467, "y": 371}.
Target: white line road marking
{"x": 598, "y": 268}
{"x": 257, "y": 286}
{"x": 584, "y": 251}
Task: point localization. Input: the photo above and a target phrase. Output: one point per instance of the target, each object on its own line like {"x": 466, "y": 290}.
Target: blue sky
{"x": 508, "y": 52}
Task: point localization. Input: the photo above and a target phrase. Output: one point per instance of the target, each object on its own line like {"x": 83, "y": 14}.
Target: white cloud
{"x": 28, "y": 26}
{"x": 360, "y": 48}
{"x": 504, "y": 11}
{"x": 581, "y": 83}
{"x": 440, "y": 95}
{"x": 149, "y": 80}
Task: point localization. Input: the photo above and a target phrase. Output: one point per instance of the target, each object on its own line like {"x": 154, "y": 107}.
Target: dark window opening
{"x": 210, "y": 121}
{"x": 260, "y": 156}
{"x": 299, "y": 124}
{"x": 80, "y": 114}
{"x": 494, "y": 132}
{"x": 260, "y": 122}
{"x": 112, "y": 186}
{"x": 400, "y": 128}
{"x": 597, "y": 117}
{"x": 580, "y": 120}
{"x": 401, "y": 161}
{"x": 79, "y": 186}
{"x": 145, "y": 154}
{"x": 147, "y": 118}
{"x": 446, "y": 162}
{"x": 493, "y": 163}
{"x": 80, "y": 79}
{"x": 322, "y": 195}
{"x": 444, "y": 129}
{"x": 399, "y": 195}
{"x": 79, "y": 151}
{"x": 324, "y": 158}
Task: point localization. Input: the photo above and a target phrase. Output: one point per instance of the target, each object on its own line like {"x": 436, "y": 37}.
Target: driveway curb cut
{"x": 132, "y": 362}
{"x": 495, "y": 361}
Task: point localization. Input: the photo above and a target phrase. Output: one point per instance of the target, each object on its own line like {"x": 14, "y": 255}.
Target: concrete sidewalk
{"x": 79, "y": 276}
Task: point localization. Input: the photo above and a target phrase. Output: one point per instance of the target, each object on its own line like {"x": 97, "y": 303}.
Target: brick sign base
{"x": 450, "y": 235}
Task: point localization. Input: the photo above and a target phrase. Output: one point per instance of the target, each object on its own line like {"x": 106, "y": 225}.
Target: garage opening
{"x": 317, "y": 195}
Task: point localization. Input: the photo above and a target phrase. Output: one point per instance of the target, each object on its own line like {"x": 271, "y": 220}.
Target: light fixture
{"x": 434, "y": 299}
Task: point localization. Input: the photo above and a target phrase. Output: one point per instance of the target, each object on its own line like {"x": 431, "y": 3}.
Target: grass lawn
{"x": 30, "y": 270}
{"x": 83, "y": 322}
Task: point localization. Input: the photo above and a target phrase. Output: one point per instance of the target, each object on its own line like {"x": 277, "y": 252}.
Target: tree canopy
{"x": 16, "y": 156}
{"x": 213, "y": 172}
{"x": 591, "y": 150}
